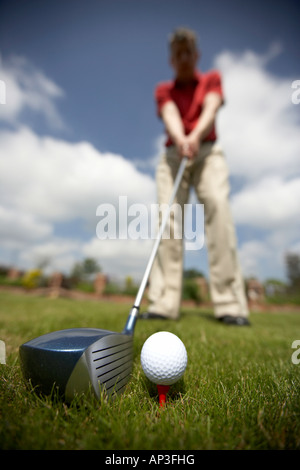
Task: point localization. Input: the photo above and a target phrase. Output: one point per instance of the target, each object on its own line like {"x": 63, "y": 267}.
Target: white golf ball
{"x": 163, "y": 358}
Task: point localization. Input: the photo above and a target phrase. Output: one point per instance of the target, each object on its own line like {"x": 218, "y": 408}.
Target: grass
{"x": 240, "y": 389}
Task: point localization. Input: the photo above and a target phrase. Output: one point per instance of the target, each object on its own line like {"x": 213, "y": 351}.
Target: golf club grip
{"x": 160, "y": 233}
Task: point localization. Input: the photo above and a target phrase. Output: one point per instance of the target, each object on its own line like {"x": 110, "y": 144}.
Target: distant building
{"x": 255, "y": 291}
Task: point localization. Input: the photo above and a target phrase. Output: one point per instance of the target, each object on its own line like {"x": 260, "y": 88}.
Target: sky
{"x": 79, "y": 129}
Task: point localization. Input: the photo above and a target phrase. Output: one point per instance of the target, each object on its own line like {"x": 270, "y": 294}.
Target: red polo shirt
{"x": 189, "y": 98}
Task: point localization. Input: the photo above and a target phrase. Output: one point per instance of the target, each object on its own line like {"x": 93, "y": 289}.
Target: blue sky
{"x": 79, "y": 82}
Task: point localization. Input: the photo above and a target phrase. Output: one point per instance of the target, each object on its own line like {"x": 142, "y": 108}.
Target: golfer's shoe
{"x": 234, "y": 320}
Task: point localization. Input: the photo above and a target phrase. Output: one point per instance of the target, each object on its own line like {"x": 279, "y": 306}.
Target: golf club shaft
{"x": 134, "y": 312}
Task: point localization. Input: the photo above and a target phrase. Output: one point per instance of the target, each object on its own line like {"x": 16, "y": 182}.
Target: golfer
{"x": 188, "y": 106}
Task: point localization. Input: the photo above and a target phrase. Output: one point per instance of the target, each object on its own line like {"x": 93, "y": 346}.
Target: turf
{"x": 240, "y": 389}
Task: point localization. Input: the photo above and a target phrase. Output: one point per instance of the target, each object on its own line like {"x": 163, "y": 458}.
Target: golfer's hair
{"x": 182, "y": 34}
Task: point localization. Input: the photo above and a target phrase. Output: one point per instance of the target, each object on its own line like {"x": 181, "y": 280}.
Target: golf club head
{"x": 77, "y": 359}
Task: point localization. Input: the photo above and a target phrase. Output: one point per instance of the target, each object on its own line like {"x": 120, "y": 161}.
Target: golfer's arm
{"x": 173, "y": 122}
{"x": 212, "y": 102}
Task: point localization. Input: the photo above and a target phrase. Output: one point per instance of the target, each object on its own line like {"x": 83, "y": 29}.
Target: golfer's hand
{"x": 188, "y": 146}
{"x": 193, "y": 144}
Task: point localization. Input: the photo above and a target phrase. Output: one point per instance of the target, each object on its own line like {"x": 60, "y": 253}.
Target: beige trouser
{"x": 208, "y": 173}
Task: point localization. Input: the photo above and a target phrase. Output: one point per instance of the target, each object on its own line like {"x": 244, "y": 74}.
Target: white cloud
{"x": 17, "y": 228}
{"x": 265, "y": 258}
{"x": 251, "y": 254}
{"x": 58, "y": 181}
{"x": 44, "y": 181}
{"x": 120, "y": 257}
{"x": 27, "y": 88}
{"x": 60, "y": 254}
{"x": 259, "y": 125}
{"x": 259, "y": 130}
{"x": 268, "y": 203}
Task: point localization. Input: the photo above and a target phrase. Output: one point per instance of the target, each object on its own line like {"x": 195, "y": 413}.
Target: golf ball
{"x": 163, "y": 358}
